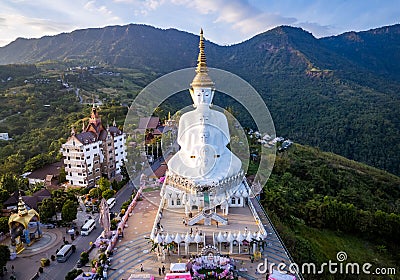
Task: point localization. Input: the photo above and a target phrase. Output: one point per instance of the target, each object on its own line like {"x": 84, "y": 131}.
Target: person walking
{"x": 159, "y": 271}
{"x": 141, "y": 267}
{"x": 163, "y": 269}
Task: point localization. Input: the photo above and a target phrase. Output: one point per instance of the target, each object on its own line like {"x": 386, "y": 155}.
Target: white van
{"x": 64, "y": 253}
{"x": 88, "y": 227}
{"x": 111, "y": 202}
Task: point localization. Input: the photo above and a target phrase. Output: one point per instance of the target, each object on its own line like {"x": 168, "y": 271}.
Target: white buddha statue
{"x": 203, "y": 135}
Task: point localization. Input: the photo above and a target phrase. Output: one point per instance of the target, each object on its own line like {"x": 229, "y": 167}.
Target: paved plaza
{"x": 134, "y": 248}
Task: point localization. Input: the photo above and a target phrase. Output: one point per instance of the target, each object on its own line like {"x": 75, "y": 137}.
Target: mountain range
{"x": 338, "y": 93}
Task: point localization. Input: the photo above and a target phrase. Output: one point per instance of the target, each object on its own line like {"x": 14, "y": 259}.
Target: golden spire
{"x": 201, "y": 60}
{"x": 202, "y": 79}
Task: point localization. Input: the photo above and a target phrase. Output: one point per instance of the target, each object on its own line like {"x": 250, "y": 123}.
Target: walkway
{"x": 275, "y": 252}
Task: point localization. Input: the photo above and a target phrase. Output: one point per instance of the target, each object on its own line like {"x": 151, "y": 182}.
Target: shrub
{"x": 84, "y": 257}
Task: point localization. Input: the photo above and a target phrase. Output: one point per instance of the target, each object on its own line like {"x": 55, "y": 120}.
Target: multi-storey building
{"x": 96, "y": 151}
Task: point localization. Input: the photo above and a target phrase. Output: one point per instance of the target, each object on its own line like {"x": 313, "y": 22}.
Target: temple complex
{"x": 205, "y": 196}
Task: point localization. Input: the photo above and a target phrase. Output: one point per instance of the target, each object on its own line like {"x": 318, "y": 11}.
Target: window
{"x": 172, "y": 202}
{"x": 87, "y": 149}
{"x": 88, "y": 157}
{"x": 178, "y": 201}
{"x": 238, "y": 200}
{"x": 233, "y": 201}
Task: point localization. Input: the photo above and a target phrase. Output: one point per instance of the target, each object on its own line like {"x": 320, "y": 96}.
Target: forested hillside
{"x": 323, "y": 203}
{"x": 339, "y": 93}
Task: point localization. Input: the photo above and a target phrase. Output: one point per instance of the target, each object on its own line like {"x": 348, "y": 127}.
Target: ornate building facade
{"x": 96, "y": 151}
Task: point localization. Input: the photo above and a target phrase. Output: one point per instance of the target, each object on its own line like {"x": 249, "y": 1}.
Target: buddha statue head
{"x": 202, "y": 87}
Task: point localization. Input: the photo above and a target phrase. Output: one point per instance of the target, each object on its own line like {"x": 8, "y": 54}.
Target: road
{"x": 59, "y": 270}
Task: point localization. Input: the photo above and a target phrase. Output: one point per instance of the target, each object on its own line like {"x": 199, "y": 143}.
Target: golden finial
{"x": 202, "y": 79}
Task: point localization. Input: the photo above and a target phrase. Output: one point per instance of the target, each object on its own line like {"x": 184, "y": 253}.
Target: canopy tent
{"x": 177, "y": 267}
{"x": 141, "y": 277}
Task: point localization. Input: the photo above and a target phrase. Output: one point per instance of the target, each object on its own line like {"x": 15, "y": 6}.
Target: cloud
{"x": 316, "y": 29}
{"x": 91, "y": 7}
{"x": 142, "y": 7}
{"x": 241, "y": 16}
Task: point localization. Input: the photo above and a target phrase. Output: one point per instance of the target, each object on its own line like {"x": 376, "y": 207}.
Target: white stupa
{"x": 204, "y": 173}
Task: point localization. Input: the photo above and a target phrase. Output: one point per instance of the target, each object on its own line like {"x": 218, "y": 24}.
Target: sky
{"x": 225, "y": 22}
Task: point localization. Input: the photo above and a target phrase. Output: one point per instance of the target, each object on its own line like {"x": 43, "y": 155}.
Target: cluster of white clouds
{"x": 224, "y": 21}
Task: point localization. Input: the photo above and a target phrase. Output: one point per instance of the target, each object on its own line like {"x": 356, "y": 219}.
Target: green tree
{"x": 71, "y": 275}
{"x": 69, "y": 211}
{"x": 37, "y": 162}
{"x": 84, "y": 257}
{"x": 95, "y": 193}
{"x": 108, "y": 194}
{"x": 63, "y": 177}
{"x": 104, "y": 184}
{"x": 47, "y": 210}
{"x": 14, "y": 164}
{"x": 12, "y": 183}
{"x": 4, "y": 225}
{"x": 4, "y": 195}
